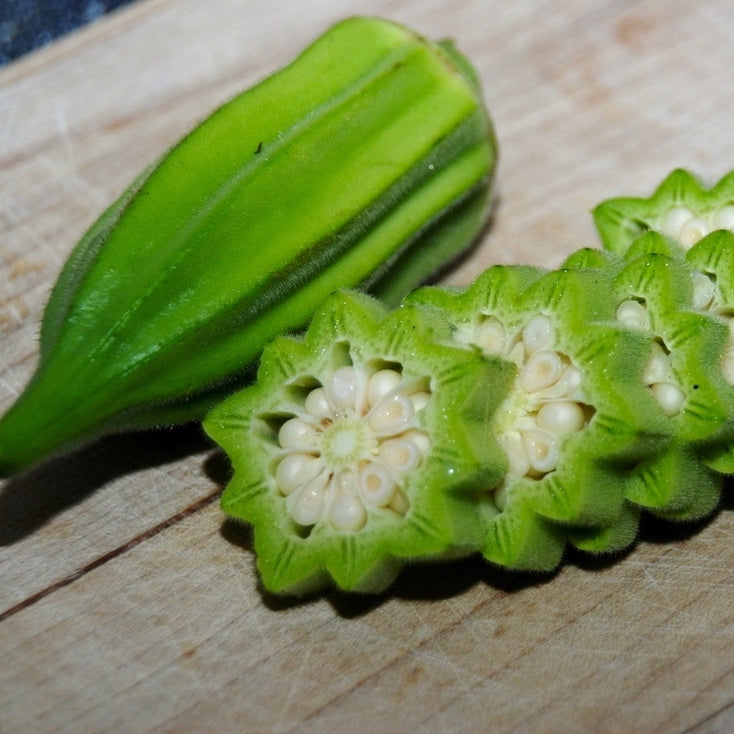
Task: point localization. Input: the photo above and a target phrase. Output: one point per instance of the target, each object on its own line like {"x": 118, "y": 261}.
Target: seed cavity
{"x": 546, "y": 403}
{"x": 704, "y": 291}
{"x": 658, "y": 374}
{"x": 707, "y": 298}
{"x": 633, "y": 314}
{"x": 347, "y": 447}
{"x": 687, "y": 227}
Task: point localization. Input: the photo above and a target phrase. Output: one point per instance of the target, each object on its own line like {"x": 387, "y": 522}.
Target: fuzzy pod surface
{"x": 688, "y": 220}
{"x": 572, "y": 420}
{"x": 654, "y": 295}
{"x": 359, "y": 448}
{"x": 370, "y": 153}
{"x": 682, "y": 208}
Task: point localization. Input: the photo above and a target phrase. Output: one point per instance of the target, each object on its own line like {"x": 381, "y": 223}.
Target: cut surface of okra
{"x": 359, "y": 448}
{"x": 682, "y": 208}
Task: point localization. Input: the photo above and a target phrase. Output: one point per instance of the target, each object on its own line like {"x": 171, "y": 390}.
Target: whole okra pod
{"x": 370, "y": 154}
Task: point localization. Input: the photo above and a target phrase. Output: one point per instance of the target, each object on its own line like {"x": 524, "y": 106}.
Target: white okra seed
{"x": 348, "y": 483}
{"x": 658, "y": 366}
{"x": 343, "y": 388}
{"x": 420, "y": 400}
{"x": 376, "y": 485}
{"x": 399, "y": 502}
{"x": 347, "y": 513}
{"x": 391, "y": 414}
{"x": 537, "y": 333}
{"x": 380, "y": 385}
{"x": 541, "y": 370}
{"x": 294, "y": 470}
{"x": 307, "y": 505}
{"x": 490, "y": 336}
{"x": 724, "y": 218}
{"x": 317, "y": 403}
{"x": 542, "y": 450}
{"x": 419, "y": 438}
{"x": 516, "y": 452}
{"x": 568, "y": 383}
{"x": 693, "y": 230}
{"x": 669, "y": 396}
{"x": 673, "y": 220}
{"x": 297, "y": 434}
{"x": 399, "y": 454}
{"x": 633, "y": 314}
{"x": 704, "y": 289}
{"x": 566, "y": 386}
{"x": 562, "y": 416}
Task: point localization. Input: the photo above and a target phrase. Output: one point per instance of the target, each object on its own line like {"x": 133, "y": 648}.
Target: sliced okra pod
{"x": 681, "y": 208}
{"x": 711, "y": 264}
{"x": 371, "y": 150}
{"x": 575, "y": 416}
{"x": 713, "y": 259}
{"x": 360, "y": 447}
{"x": 656, "y": 295}
{"x": 656, "y": 292}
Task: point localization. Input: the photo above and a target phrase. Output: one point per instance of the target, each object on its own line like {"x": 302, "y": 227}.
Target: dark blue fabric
{"x": 29, "y": 24}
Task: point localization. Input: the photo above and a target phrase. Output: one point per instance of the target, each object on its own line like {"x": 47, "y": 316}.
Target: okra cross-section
{"x": 572, "y": 418}
{"x": 682, "y": 209}
{"x": 359, "y": 447}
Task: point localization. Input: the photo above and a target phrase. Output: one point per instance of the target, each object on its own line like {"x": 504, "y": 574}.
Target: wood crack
{"x": 79, "y": 573}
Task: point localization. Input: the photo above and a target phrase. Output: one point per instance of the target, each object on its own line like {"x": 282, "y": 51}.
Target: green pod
{"x": 572, "y": 421}
{"x": 372, "y": 149}
{"x": 359, "y": 447}
{"x": 681, "y": 208}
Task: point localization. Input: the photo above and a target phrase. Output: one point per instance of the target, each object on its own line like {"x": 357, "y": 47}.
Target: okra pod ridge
{"x": 682, "y": 208}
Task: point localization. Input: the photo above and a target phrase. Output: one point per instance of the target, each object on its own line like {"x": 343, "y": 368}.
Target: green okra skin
{"x": 340, "y": 483}
{"x": 713, "y": 259}
{"x": 607, "y": 539}
{"x": 682, "y": 208}
{"x": 659, "y": 290}
{"x": 654, "y": 294}
{"x": 371, "y": 150}
{"x": 543, "y": 322}
{"x": 660, "y": 293}
{"x": 710, "y": 294}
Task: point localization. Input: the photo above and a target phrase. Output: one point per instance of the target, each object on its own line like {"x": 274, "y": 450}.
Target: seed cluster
{"x": 545, "y": 404}
{"x": 347, "y": 450}
{"x": 658, "y": 374}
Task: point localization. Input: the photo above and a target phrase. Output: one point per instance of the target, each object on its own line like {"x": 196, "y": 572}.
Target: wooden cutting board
{"x": 128, "y": 603}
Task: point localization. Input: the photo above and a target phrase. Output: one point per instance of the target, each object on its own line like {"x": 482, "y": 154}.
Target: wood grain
{"x": 128, "y": 603}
